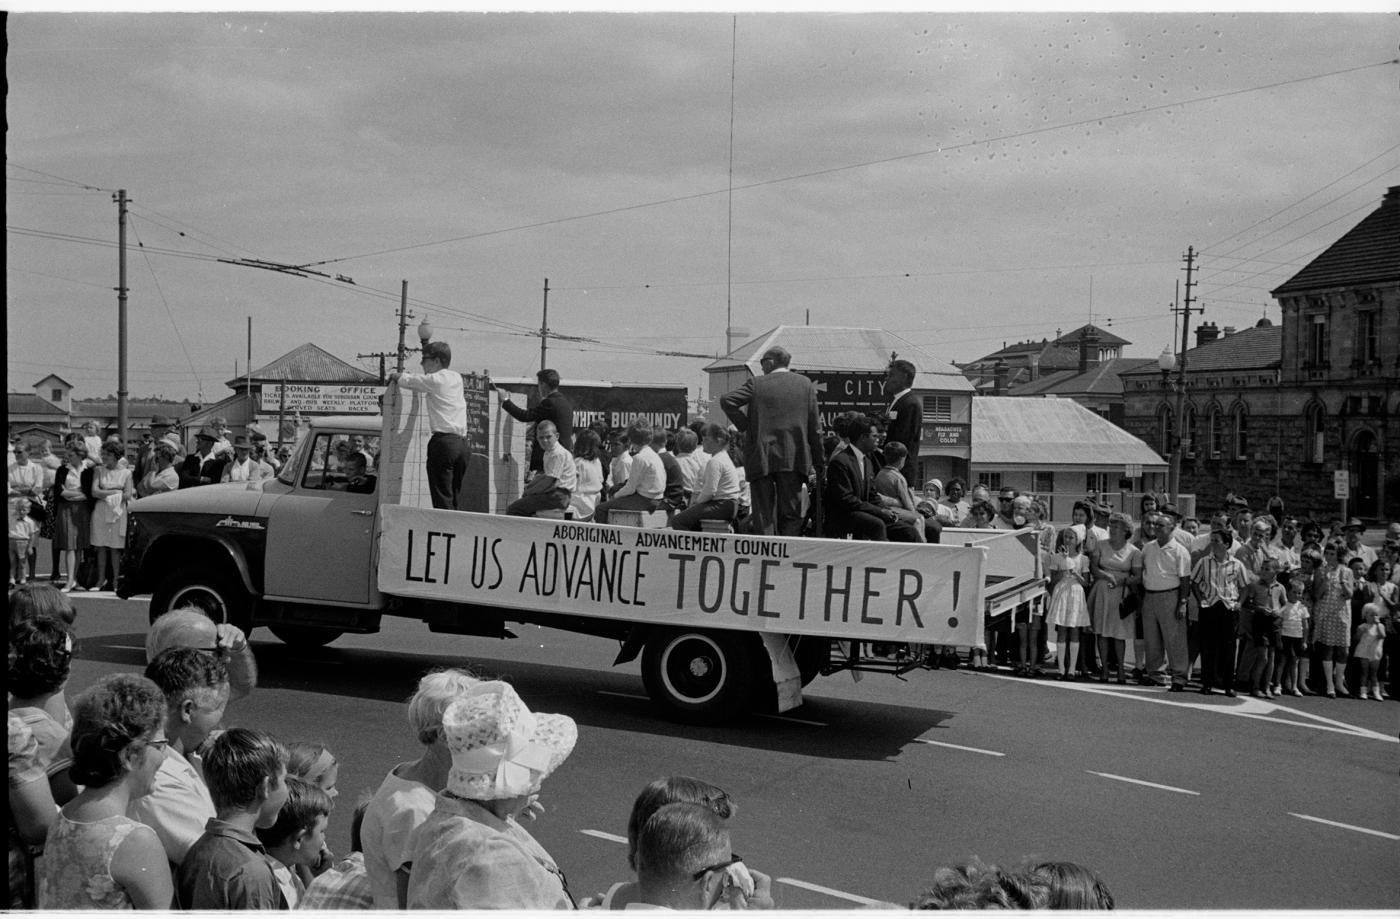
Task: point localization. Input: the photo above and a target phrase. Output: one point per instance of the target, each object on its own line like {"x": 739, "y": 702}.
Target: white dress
{"x": 109, "y": 513}
{"x": 1068, "y": 606}
{"x": 584, "y": 499}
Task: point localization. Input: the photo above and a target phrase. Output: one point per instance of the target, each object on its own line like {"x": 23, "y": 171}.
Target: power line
{"x": 1030, "y": 132}
{"x": 49, "y": 175}
{"x": 169, "y": 313}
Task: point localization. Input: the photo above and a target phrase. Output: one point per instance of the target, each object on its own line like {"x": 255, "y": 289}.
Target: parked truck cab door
{"x": 320, "y": 536}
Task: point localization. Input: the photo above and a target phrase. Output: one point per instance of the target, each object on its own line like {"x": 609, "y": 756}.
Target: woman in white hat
{"x": 472, "y": 853}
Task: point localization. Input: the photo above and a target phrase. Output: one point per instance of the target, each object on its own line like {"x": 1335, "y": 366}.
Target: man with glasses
{"x": 684, "y": 861}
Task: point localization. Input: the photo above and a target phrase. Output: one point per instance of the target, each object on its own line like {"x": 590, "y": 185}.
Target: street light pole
{"x": 1179, "y": 438}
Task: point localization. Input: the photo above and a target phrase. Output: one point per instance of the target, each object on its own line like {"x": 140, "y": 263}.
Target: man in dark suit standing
{"x": 553, "y": 406}
{"x": 777, "y": 412}
{"x": 904, "y": 420}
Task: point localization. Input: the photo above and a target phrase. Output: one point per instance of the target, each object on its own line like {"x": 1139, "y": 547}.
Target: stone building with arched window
{"x": 1277, "y": 410}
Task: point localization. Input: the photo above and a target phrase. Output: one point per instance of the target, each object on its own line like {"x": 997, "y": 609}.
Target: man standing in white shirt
{"x": 646, "y": 483}
{"x": 447, "y": 419}
{"x": 558, "y": 466}
{"x": 243, "y": 468}
{"x": 1166, "y": 569}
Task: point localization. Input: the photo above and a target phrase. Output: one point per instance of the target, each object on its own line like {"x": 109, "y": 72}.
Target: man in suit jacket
{"x": 205, "y": 466}
{"x": 777, "y": 413}
{"x": 848, "y": 502}
{"x": 904, "y": 419}
{"x": 553, "y": 406}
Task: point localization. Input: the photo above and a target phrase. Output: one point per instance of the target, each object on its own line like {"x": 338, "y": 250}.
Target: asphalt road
{"x": 1178, "y": 801}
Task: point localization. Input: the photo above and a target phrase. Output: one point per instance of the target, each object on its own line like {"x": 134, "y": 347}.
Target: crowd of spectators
{"x": 139, "y": 799}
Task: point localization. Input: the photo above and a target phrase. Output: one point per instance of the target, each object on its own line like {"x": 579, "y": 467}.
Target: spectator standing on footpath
{"x": 553, "y": 406}
{"x": 1166, "y": 568}
{"x": 904, "y": 419}
{"x": 196, "y": 690}
{"x": 1219, "y": 581}
{"x": 447, "y": 419}
{"x": 205, "y": 465}
{"x": 146, "y": 453}
{"x": 777, "y": 413}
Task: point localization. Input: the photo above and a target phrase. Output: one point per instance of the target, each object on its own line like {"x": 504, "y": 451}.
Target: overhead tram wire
{"x": 168, "y": 312}
{"x": 816, "y": 173}
{"x": 48, "y": 175}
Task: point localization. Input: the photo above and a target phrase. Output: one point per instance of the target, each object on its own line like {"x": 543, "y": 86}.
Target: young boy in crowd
{"x": 23, "y": 531}
{"x": 345, "y": 885}
{"x": 228, "y": 867}
{"x": 1294, "y": 630}
{"x": 1265, "y": 600}
{"x": 296, "y": 838}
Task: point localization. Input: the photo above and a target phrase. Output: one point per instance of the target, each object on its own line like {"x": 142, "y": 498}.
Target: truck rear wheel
{"x": 217, "y": 595}
{"x": 699, "y": 676}
{"x": 305, "y": 636}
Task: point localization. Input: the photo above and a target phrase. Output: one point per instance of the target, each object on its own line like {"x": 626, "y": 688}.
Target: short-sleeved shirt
{"x": 647, "y": 476}
{"x": 227, "y": 868}
{"x": 465, "y": 857}
{"x": 54, "y": 755}
{"x": 178, "y": 807}
{"x": 1164, "y": 567}
{"x": 345, "y": 885}
{"x": 398, "y": 808}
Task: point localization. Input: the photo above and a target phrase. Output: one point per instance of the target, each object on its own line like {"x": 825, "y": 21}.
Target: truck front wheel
{"x": 217, "y": 595}
{"x": 701, "y": 677}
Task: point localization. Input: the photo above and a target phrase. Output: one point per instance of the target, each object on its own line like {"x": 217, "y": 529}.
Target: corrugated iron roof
{"x": 1011, "y": 431}
{"x": 1059, "y": 352}
{"x": 1256, "y": 348}
{"x": 1103, "y": 380}
{"x": 309, "y": 363}
{"x": 1368, "y": 253}
{"x": 26, "y": 403}
{"x": 833, "y": 348}
{"x": 54, "y": 376}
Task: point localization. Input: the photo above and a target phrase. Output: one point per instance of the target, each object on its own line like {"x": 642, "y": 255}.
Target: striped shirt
{"x": 1219, "y": 582}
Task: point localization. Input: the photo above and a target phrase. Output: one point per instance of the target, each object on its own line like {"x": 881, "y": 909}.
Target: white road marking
{"x": 815, "y": 724}
{"x": 599, "y": 834}
{"x": 840, "y": 894}
{"x": 1124, "y": 778}
{"x": 621, "y": 695}
{"x": 128, "y": 647}
{"x": 1243, "y": 707}
{"x": 1345, "y": 826}
{"x": 953, "y": 746}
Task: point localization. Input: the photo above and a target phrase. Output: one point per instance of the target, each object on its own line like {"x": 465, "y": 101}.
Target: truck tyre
{"x": 304, "y": 636}
{"x": 219, "y": 596}
{"x": 699, "y": 676}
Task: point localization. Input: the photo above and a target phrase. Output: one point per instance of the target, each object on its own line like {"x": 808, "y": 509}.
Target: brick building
{"x": 1276, "y": 410}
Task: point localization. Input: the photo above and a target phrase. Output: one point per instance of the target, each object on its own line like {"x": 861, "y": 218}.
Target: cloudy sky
{"x": 961, "y": 179}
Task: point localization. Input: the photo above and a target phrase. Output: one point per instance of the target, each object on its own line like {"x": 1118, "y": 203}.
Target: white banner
{"x": 313, "y": 398}
{"x": 897, "y": 592}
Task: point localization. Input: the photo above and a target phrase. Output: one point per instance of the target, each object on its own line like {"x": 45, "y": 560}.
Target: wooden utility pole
{"x": 404, "y": 316}
{"x": 544, "y": 325}
{"x": 120, "y": 198}
{"x": 252, "y": 405}
{"x": 1184, "y": 310}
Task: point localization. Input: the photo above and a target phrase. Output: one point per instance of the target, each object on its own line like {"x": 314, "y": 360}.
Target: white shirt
{"x": 692, "y": 466}
{"x": 648, "y": 476}
{"x": 178, "y": 806}
{"x": 245, "y": 471}
{"x": 447, "y": 401}
{"x": 1164, "y": 567}
{"x": 559, "y": 463}
{"x": 620, "y": 469}
{"x": 720, "y": 480}
{"x": 27, "y": 480}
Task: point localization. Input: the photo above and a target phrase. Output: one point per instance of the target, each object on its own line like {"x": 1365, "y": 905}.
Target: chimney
{"x": 1228, "y": 330}
{"x": 1034, "y": 365}
{"x": 1206, "y": 332}
{"x": 1088, "y": 349}
{"x": 1001, "y": 371}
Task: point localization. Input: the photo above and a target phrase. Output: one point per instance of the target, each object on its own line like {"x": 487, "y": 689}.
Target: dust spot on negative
{"x": 952, "y": 622}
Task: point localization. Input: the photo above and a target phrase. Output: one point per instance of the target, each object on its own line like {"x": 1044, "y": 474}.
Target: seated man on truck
{"x": 552, "y": 488}
{"x": 646, "y": 481}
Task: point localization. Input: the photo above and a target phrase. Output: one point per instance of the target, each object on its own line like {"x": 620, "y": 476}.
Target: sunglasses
{"x": 734, "y": 859}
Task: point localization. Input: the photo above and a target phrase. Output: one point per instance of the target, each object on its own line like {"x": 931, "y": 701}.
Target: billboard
{"x": 321, "y": 399}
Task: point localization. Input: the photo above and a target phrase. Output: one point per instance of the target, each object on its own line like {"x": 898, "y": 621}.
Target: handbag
{"x": 1129, "y": 605}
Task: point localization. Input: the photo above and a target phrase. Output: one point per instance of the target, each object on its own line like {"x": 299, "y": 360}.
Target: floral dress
{"x": 24, "y": 769}
{"x": 1332, "y": 611}
{"x": 1067, "y": 605}
{"x": 76, "y": 869}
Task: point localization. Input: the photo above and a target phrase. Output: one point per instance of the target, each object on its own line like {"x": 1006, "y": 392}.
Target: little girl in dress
{"x": 1069, "y": 611}
{"x": 1370, "y": 639}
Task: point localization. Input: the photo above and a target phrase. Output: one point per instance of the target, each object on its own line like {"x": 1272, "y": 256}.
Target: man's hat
{"x": 1355, "y": 524}
{"x": 1103, "y": 508}
{"x": 1239, "y": 503}
{"x": 208, "y": 433}
{"x": 241, "y": 442}
{"x": 1170, "y": 510}
{"x": 160, "y": 421}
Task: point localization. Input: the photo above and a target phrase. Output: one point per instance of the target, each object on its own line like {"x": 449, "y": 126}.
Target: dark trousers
{"x": 1217, "y": 634}
{"x": 775, "y": 501}
{"x": 858, "y": 524}
{"x": 632, "y": 502}
{"x": 447, "y": 463}
{"x": 556, "y": 499}
{"x": 933, "y": 530}
{"x": 689, "y": 519}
